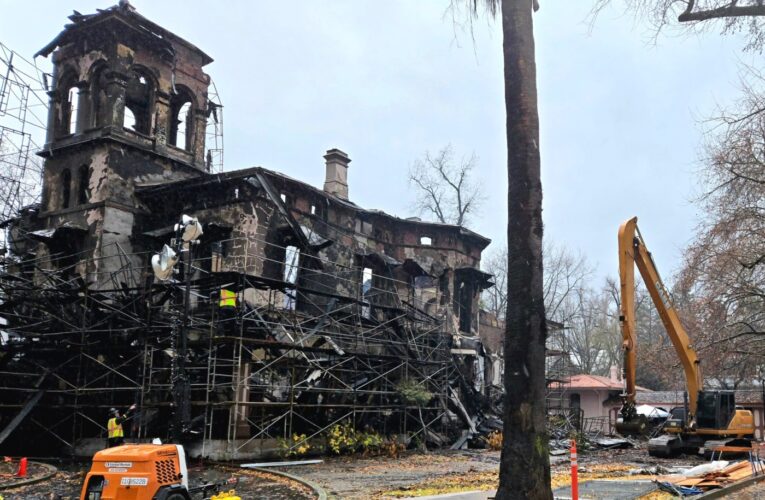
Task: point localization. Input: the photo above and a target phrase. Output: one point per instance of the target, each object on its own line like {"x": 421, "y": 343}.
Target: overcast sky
{"x": 387, "y": 80}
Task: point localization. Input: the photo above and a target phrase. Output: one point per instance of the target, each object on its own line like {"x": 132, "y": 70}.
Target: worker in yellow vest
{"x": 115, "y": 432}
{"x": 227, "y": 298}
{"x": 226, "y": 312}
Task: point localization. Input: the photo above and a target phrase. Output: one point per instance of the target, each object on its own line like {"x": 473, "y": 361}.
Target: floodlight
{"x": 192, "y": 229}
{"x": 163, "y": 263}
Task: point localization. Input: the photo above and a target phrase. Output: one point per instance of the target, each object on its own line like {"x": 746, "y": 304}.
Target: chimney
{"x": 614, "y": 374}
{"x": 336, "y": 180}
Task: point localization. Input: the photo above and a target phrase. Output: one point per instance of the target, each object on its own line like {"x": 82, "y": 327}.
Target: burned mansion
{"x": 290, "y": 310}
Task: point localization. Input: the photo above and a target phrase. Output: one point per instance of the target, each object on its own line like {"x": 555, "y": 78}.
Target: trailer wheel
{"x": 175, "y": 493}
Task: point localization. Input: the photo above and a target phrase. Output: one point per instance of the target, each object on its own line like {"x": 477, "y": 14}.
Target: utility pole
{"x": 187, "y": 233}
{"x": 181, "y": 388}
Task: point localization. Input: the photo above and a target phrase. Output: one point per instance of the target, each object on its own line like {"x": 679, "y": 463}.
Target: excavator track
{"x": 665, "y": 446}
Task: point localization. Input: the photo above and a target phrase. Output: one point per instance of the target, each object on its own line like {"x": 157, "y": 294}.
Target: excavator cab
{"x": 715, "y": 409}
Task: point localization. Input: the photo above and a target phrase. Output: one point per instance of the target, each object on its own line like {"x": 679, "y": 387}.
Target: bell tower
{"x": 128, "y": 107}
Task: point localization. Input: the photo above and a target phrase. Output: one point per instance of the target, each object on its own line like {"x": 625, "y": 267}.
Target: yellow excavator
{"x": 709, "y": 418}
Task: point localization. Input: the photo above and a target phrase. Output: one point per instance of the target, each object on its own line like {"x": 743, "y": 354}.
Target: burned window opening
{"x": 211, "y": 253}
{"x": 182, "y": 136}
{"x": 129, "y": 122}
{"x": 84, "y": 178}
{"x": 66, "y": 187}
{"x": 69, "y": 96}
{"x": 366, "y": 291}
{"x": 443, "y": 286}
{"x": 286, "y": 199}
{"x": 182, "y": 119}
{"x": 290, "y": 275}
{"x": 73, "y": 100}
{"x": 425, "y": 292}
{"x": 426, "y": 241}
{"x": 318, "y": 210}
{"x": 138, "y": 103}
{"x": 465, "y": 305}
{"x": 213, "y": 248}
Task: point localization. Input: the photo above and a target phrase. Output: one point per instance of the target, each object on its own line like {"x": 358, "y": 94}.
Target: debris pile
{"x": 717, "y": 474}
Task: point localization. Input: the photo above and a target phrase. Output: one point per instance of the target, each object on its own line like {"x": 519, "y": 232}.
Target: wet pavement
{"x": 613, "y": 490}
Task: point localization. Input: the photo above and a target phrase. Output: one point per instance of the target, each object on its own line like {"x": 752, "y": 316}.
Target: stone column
{"x": 84, "y": 108}
{"x": 116, "y": 87}
{"x": 161, "y": 117}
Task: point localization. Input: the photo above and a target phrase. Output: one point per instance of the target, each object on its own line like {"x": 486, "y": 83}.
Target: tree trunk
{"x": 524, "y": 467}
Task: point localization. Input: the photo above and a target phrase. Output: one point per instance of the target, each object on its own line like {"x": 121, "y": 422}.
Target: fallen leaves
{"x": 450, "y": 483}
{"x": 475, "y": 480}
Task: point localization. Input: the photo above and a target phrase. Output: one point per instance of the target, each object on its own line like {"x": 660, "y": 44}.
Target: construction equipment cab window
{"x": 715, "y": 410}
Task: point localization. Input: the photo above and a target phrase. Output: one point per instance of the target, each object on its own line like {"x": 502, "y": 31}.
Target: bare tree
{"x": 731, "y": 16}
{"x": 495, "y": 298}
{"x": 19, "y": 177}
{"x": 722, "y": 282}
{"x": 446, "y": 189}
{"x": 581, "y": 339}
{"x": 723, "y": 277}
{"x": 565, "y": 272}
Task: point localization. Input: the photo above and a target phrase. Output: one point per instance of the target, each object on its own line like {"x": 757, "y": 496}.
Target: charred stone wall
{"x": 128, "y": 107}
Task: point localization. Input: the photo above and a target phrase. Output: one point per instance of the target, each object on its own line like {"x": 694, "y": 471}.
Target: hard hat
{"x": 113, "y": 411}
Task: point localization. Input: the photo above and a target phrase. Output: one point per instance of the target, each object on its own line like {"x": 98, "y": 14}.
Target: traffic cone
{"x": 22, "y": 472}
{"x": 574, "y": 472}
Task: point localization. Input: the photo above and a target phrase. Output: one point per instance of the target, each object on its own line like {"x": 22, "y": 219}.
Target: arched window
{"x": 181, "y": 137}
{"x": 69, "y": 95}
{"x": 73, "y": 100}
{"x": 139, "y": 95}
{"x": 66, "y": 191}
{"x": 82, "y": 189}
{"x": 182, "y": 120}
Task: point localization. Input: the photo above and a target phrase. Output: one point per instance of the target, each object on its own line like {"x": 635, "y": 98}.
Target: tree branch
{"x": 731, "y": 10}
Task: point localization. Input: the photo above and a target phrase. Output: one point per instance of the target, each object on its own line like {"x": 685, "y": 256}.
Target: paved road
{"x": 468, "y": 495}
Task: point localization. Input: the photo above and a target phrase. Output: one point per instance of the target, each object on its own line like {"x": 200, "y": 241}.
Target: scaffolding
{"x": 563, "y": 417}
{"x": 214, "y": 131}
{"x": 293, "y": 359}
{"x": 23, "y": 115}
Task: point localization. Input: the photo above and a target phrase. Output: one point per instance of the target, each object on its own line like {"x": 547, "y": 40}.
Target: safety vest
{"x": 227, "y": 298}
{"x": 114, "y": 429}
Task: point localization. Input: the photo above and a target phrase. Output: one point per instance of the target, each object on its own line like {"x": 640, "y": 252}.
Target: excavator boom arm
{"x": 633, "y": 252}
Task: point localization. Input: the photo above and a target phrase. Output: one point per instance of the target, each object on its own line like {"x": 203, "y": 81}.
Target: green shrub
{"x": 370, "y": 443}
{"x": 414, "y": 393}
{"x": 342, "y": 439}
